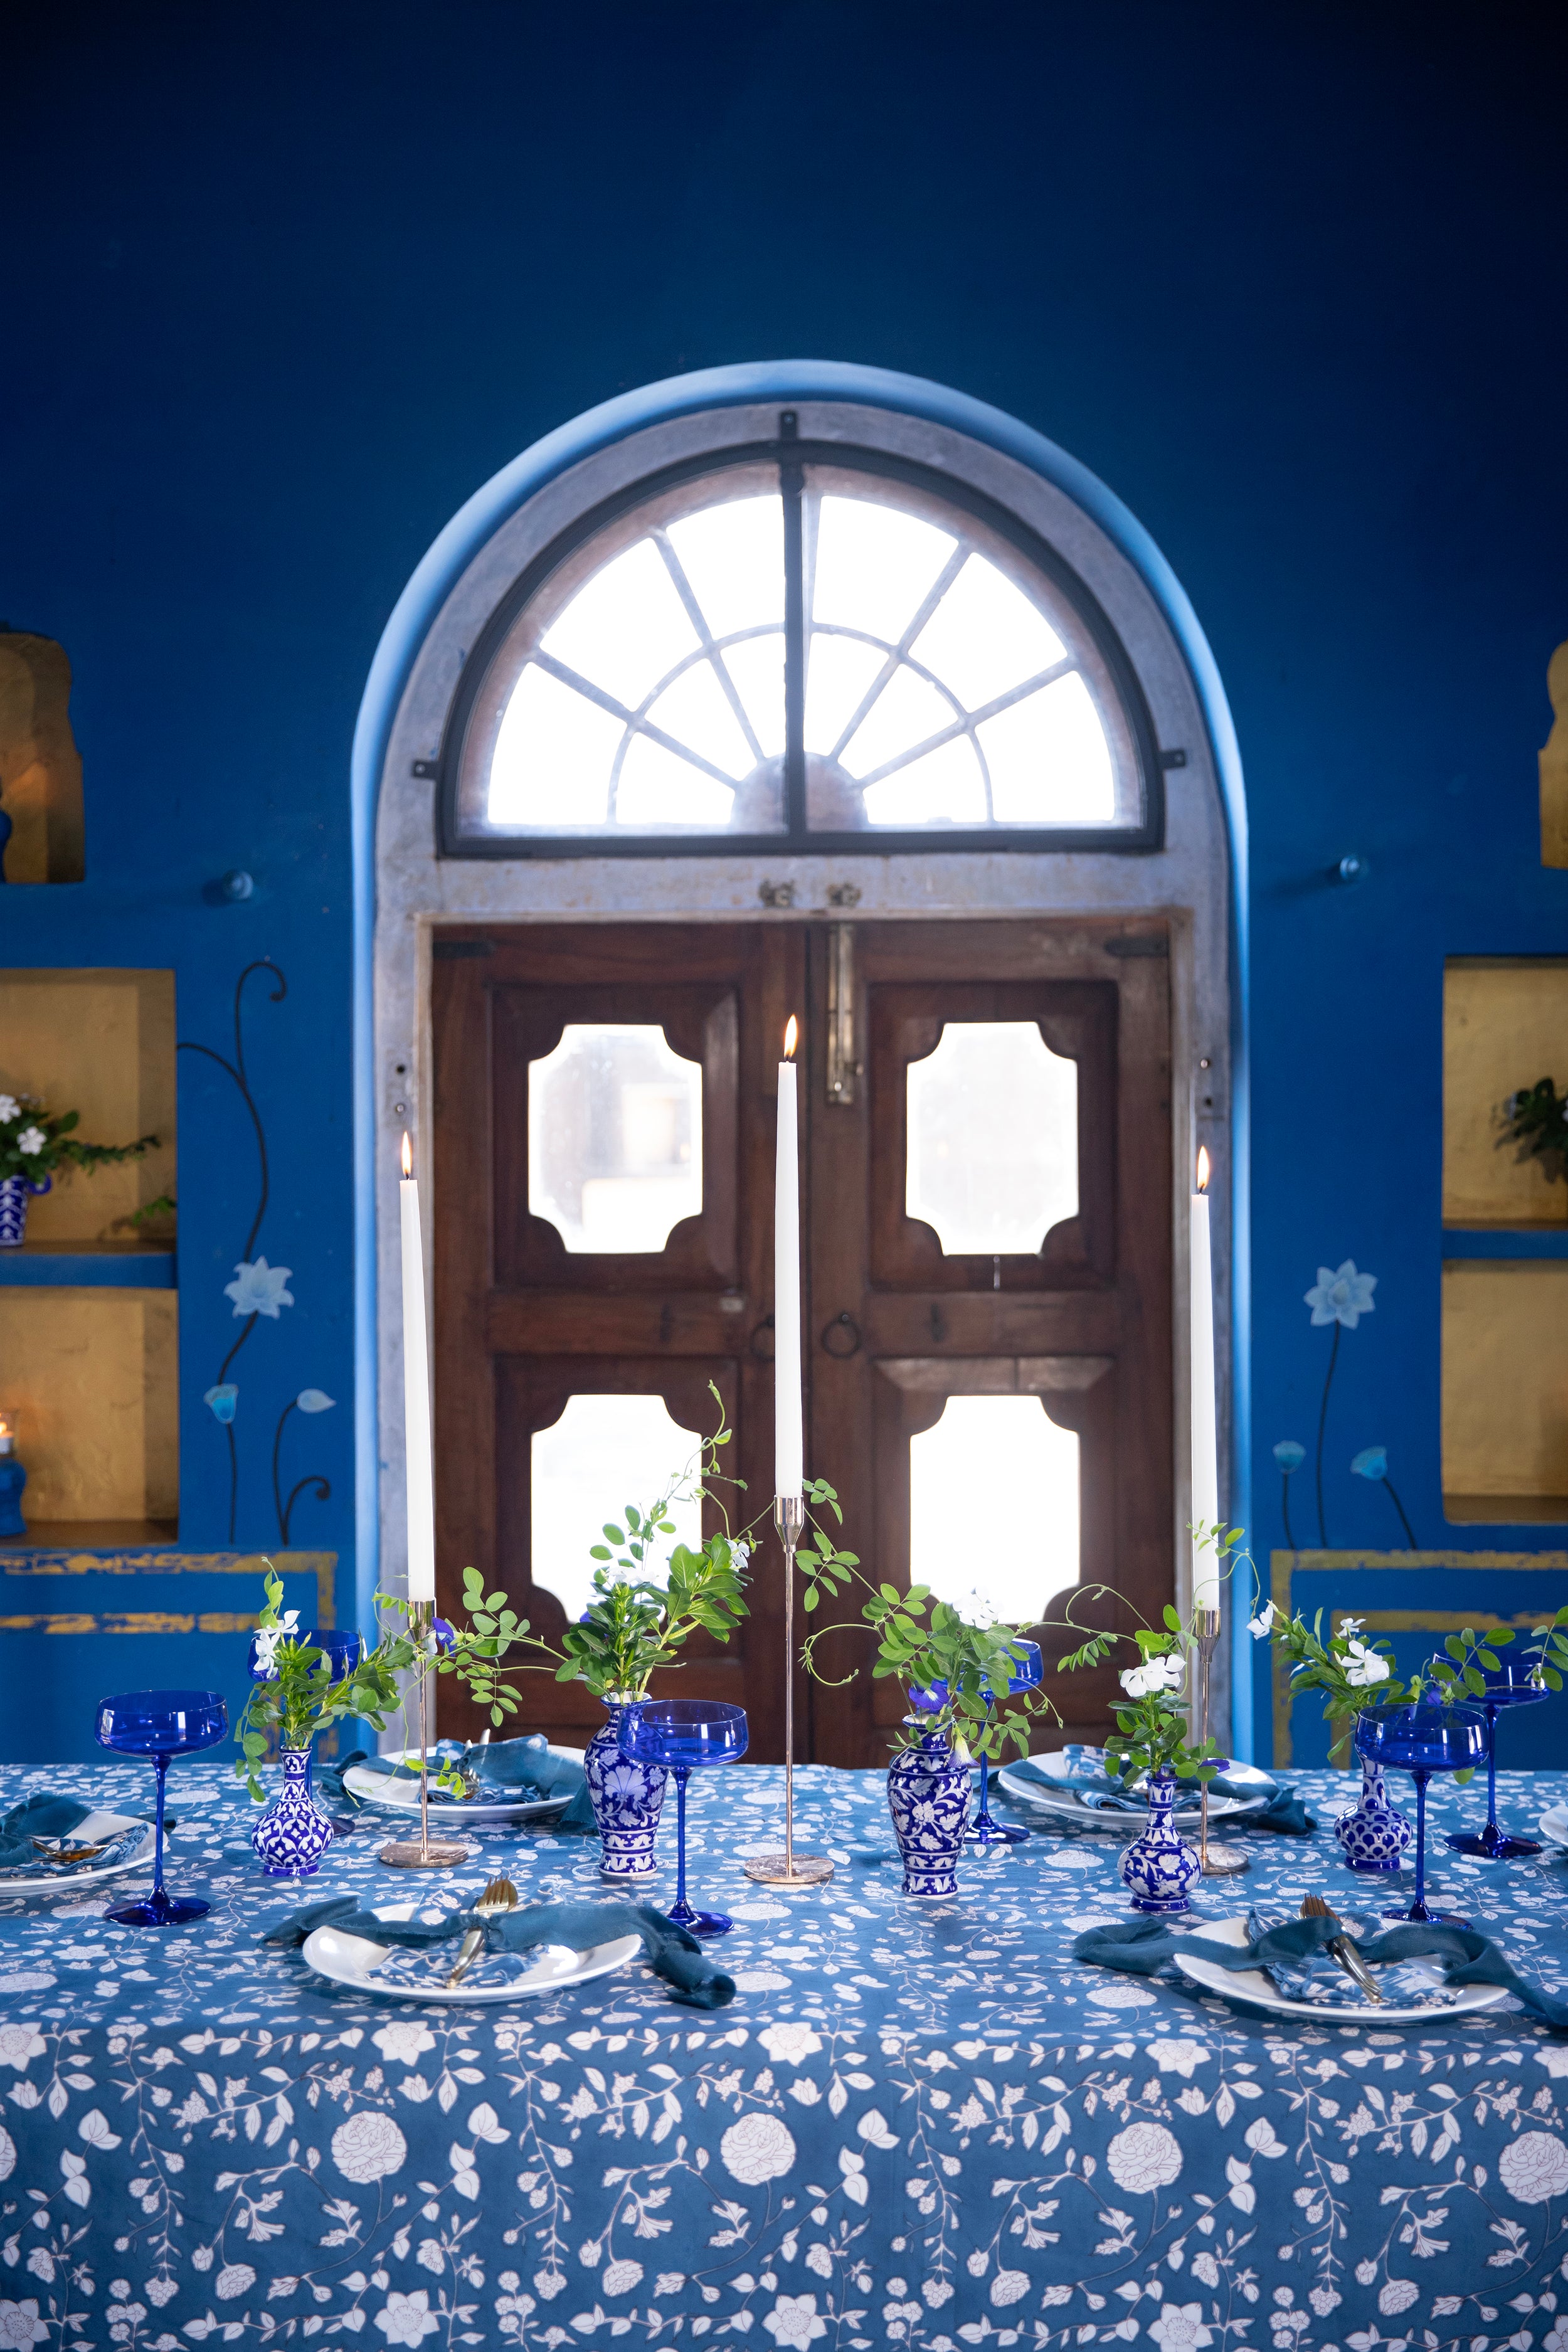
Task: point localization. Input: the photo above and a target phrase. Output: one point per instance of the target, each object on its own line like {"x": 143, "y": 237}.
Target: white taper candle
{"x": 419, "y": 1477}
{"x": 1205, "y": 1440}
{"x": 788, "y": 1446}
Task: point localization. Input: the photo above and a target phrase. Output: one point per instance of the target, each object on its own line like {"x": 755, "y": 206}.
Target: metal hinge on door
{"x": 843, "y": 1069}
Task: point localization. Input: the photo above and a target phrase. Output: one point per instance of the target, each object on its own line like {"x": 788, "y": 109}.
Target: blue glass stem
{"x": 1418, "y": 1909}
{"x": 1491, "y": 1828}
{"x": 683, "y": 1913}
{"x": 161, "y": 1768}
{"x": 985, "y": 1818}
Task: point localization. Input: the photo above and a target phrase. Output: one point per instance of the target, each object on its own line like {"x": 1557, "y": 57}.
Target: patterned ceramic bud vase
{"x": 14, "y": 1192}
{"x": 1374, "y": 1833}
{"x": 627, "y": 1798}
{"x": 928, "y": 1797}
{"x": 1160, "y": 1869}
{"x": 293, "y": 1833}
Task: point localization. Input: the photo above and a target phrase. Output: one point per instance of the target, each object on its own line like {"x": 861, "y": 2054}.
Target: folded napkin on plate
{"x": 505, "y": 1767}
{"x": 1102, "y": 1792}
{"x": 695, "y": 1982}
{"x": 46, "y": 1815}
{"x": 1143, "y": 1947}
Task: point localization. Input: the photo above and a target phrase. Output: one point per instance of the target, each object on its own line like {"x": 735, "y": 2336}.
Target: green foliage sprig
{"x": 1152, "y": 1727}
{"x": 924, "y": 1643}
{"x": 301, "y": 1698}
{"x": 1536, "y": 1119}
{"x": 634, "y": 1625}
{"x": 34, "y": 1141}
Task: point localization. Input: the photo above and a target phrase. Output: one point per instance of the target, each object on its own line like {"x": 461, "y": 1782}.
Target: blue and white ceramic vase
{"x": 14, "y": 1195}
{"x": 1160, "y": 1869}
{"x": 1373, "y": 1834}
{"x": 928, "y": 1797}
{"x": 293, "y": 1833}
{"x": 627, "y": 1798}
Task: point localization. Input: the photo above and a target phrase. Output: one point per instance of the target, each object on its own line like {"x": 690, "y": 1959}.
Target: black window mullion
{"x": 792, "y": 488}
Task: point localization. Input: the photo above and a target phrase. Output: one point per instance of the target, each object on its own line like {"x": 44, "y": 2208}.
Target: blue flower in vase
{"x": 222, "y": 1401}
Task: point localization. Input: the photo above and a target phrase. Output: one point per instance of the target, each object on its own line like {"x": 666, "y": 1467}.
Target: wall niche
{"x": 42, "y": 831}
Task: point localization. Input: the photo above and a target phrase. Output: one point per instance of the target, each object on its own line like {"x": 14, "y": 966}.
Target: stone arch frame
{"x": 403, "y": 890}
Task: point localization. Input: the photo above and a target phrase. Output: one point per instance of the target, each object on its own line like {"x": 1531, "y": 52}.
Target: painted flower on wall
{"x": 222, "y": 1401}
{"x": 1372, "y": 1462}
{"x": 1290, "y": 1456}
{"x": 1337, "y": 1297}
{"x": 314, "y": 1400}
{"x": 259, "y": 1289}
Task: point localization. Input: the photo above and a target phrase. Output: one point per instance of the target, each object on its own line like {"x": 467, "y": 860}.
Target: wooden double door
{"x": 987, "y": 1190}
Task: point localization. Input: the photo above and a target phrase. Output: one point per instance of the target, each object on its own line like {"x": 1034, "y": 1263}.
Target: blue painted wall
{"x": 298, "y": 280}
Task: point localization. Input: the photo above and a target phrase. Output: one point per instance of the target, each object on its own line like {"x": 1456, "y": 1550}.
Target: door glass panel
{"x": 1009, "y": 1535}
{"x": 624, "y": 1447}
{"x": 615, "y": 1139}
{"x": 992, "y": 1139}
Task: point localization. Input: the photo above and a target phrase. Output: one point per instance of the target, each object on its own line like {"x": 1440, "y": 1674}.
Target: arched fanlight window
{"x": 804, "y": 644}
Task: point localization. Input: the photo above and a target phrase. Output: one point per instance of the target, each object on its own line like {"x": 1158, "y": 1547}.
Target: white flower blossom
{"x": 1139, "y": 1681}
{"x": 1179, "y": 2327}
{"x": 368, "y": 2147}
{"x": 1262, "y": 1626}
{"x": 1143, "y": 2157}
{"x": 408, "y": 2318}
{"x": 792, "y": 2322}
{"x": 20, "y": 2326}
{"x": 1341, "y": 1297}
{"x": 31, "y": 1142}
{"x": 260, "y": 1289}
{"x": 1364, "y": 1666}
{"x": 268, "y": 1638}
{"x": 18, "y": 2044}
{"x": 789, "y": 2042}
{"x": 757, "y": 2148}
{"x": 1534, "y": 2168}
{"x": 9, "y": 1107}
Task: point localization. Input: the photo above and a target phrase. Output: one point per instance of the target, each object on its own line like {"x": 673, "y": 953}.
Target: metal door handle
{"x": 845, "y": 1327}
{"x": 764, "y": 1355}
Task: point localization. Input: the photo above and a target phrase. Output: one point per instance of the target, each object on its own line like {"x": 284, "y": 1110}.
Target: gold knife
{"x": 1343, "y": 1947}
{"x": 501, "y": 1894}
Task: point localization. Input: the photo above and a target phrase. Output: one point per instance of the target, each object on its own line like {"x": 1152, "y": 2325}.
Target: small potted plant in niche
{"x": 955, "y": 1662}
{"x": 633, "y": 1627}
{"x": 34, "y": 1142}
{"x": 300, "y": 1682}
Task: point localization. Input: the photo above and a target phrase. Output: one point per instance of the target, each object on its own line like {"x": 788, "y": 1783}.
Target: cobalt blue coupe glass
{"x": 160, "y": 1725}
{"x": 1422, "y": 1739}
{"x": 1513, "y": 1684}
{"x": 679, "y": 1734}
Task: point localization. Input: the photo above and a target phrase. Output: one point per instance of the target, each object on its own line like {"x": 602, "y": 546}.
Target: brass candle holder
{"x": 789, "y": 1868}
{"x": 429, "y": 1853}
{"x": 1220, "y": 1860}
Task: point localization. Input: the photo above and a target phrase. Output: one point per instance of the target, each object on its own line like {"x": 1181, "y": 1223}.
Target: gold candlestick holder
{"x": 1221, "y": 1861}
{"x": 430, "y": 1853}
{"x": 789, "y": 1868}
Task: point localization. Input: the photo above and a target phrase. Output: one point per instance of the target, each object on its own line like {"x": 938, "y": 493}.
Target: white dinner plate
{"x": 91, "y": 1832}
{"x": 354, "y": 1960}
{"x": 1066, "y": 1803}
{"x": 385, "y": 1795}
{"x": 1253, "y": 1987}
{"x": 1554, "y": 1824}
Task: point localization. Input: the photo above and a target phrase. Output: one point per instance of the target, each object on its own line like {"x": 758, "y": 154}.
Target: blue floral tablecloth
{"x": 918, "y": 2124}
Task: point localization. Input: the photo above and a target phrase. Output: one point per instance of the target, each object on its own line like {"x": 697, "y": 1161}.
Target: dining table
{"x": 920, "y": 2123}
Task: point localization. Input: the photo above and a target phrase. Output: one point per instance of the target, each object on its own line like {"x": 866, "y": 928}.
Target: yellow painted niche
{"x": 40, "y": 767}
{"x": 101, "y": 1043}
{"x": 1505, "y": 1390}
{"x": 94, "y": 1375}
{"x": 1505, "y": 1024}
{"x": 1554, "y": 765}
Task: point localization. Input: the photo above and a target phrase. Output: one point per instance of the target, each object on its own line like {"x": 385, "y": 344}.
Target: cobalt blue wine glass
{"x": 679, "y": 1734}
{"x": 1025, "y": 1675}
{"x": 160, "y": 1724}
{"x": 342, "y": 1652}
{"x": 1513, "y": 1684}
{"x": 1422, "y": 1739}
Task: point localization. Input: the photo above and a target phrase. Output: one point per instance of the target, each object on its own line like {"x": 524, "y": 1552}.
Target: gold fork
{"x": 61, "y": 1850}
{"x": 1314, "y": 1907}
{"x": 501, "y": 1894}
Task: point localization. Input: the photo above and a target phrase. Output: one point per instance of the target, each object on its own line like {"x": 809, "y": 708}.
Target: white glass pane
{"x": 732, "y": 557}
{"x": 945, "y": 787}
{"x": 553, "y": 753}
{"x": 615, "y": 1139}
{"x": 626, "y": 626}
{"x": 1049, "y": 761}
{"x": 603, "y": 1452}
{"x": 838, "y": 675}
{"x": 986, "y": 636}
{"x": 1008, "y": 1533}
{"x": 905, "y": 713}
{"x": 992, "y": 1139}
{"x": 696, "y": 711}
{"x": 756, "y": 667}
{"x": 874, "y": 565}
{"x": 658, "y": 788}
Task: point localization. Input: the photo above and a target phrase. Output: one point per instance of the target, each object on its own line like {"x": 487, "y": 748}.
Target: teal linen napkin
{"x": 1142, "y": 1947}
{"x": 695, "y": 1982}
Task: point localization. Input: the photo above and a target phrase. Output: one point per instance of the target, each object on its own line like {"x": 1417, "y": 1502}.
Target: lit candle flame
{"x": 407, "y": 1155}
{"x": 1204, "y": 1166}
{"x": 792, "y": 1033}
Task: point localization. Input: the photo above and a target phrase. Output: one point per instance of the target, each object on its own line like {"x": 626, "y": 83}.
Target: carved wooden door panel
{"x": 604, "y": 1118}
{"x": 990, "y": 1277}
